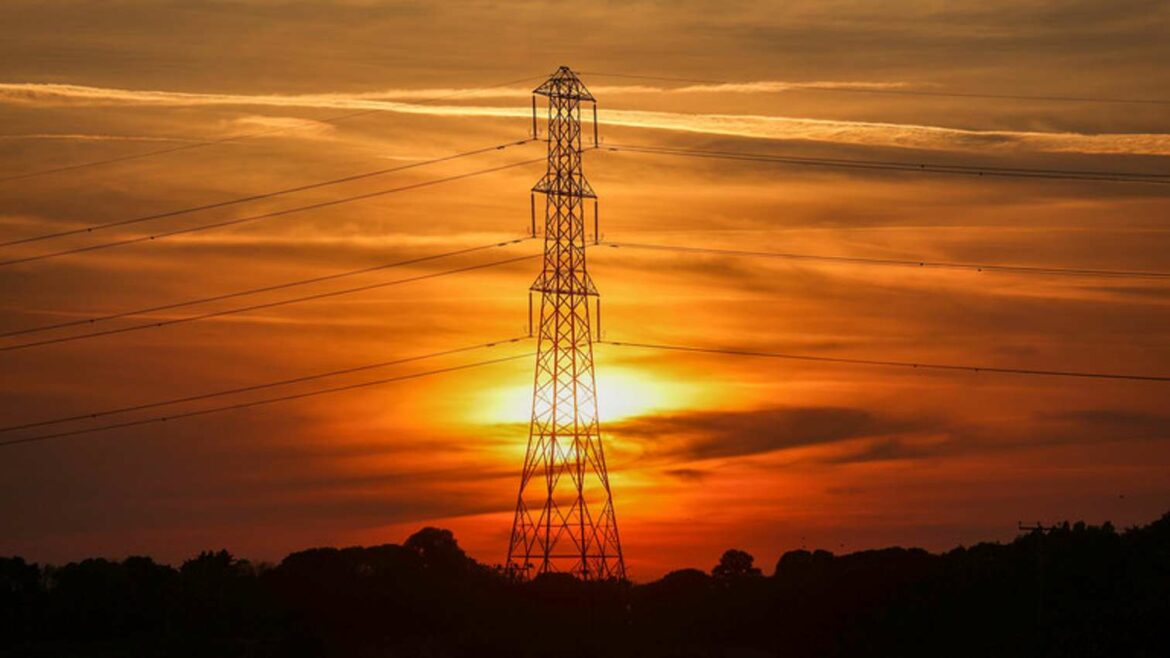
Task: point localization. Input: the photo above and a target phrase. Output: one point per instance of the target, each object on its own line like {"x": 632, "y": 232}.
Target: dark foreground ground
{"x": 1072, "y": 591}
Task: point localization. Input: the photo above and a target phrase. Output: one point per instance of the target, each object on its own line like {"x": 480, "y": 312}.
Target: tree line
{"x": 1071, "y": 590}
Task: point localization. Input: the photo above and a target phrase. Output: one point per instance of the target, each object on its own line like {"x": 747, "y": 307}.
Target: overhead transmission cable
{"x": 268, "y": 215}
{"x": 266, "y": 305}
{"x": 234, "y": 138}
{"x": 266, "y": 401}
{"x": 253, "y": 291}
{"x": 898, "y": 91}
{"x": 255, "y": 387}
{"x": 893, "y": 165}
{"x": 893, "y": 364}
{"x": 676, "y": 348}
{"x": 898, "y": 262}
{"x": 262, "y": 196}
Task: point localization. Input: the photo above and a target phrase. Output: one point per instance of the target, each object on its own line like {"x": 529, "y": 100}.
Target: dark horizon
{"x": 1069, "y": 590}
{"x": 1018, "y": 529}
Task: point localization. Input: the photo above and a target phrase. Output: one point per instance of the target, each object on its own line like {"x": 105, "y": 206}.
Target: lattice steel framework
{"x": 565, "y": 519}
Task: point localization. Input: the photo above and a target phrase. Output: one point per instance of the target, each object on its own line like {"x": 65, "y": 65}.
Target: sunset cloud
{"x": 703, "y": 435}
{"x": 861, "y": 133}
{"x": 302, "y": 127}
{"x": 88, "y": 137}
{"x": 49, "y": 93}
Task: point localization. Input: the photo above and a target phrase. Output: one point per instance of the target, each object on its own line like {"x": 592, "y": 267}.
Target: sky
{"x": 706, "y": 452}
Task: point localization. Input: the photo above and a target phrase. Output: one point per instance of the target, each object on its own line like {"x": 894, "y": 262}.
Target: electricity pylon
{"x": 565, "y": 519}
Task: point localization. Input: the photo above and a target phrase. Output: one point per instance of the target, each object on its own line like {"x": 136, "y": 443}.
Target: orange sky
{"x": 706, "y": 452}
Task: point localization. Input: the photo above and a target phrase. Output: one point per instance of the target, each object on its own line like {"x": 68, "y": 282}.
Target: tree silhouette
{"x": 439, "y": 550}
{"x": 1073, "y": 590}
{"x": 735, "y": 564}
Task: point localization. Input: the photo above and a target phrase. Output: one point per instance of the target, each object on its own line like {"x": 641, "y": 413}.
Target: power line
{"x": 895, "y": 364}
{"x": 269, "y": 215}
{"x": 265, "y": 401}
{"x": 254, "y": 291}
{"x": 136, "y": 156}
{"x": 897, "y": 262}
{"x": 902, "y": 92}
{"x": 224, "y": 140}
{"x": 919, "y": 167}
{"x": 256, "y": 307}
{"x": 256, "y": 387}
{"x": 262, "y": 196}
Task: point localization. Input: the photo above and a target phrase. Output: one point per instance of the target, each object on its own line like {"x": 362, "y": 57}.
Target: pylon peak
{"x": 564, "y": 83}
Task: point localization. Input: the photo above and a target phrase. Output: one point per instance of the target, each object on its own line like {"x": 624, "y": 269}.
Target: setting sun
{"x": 623, "y": 392}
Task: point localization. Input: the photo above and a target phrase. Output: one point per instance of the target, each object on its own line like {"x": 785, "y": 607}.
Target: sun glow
{"x": 622, "y": 393}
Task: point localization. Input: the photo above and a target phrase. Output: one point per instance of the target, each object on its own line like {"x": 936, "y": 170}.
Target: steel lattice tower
{"x": 565, "y": 519}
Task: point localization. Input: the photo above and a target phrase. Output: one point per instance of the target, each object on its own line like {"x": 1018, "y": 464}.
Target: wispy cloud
{"x": 699, "y": 435}
{"x": 303, "y": 127}
{"x": 85, "y": 137}
{"x": 902, "y": 135}
{"x": 757, "y": 87}
{"x": 48, "y": 94}
{"x": 40, "y": 92}
{"x": 863, "y": 133}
